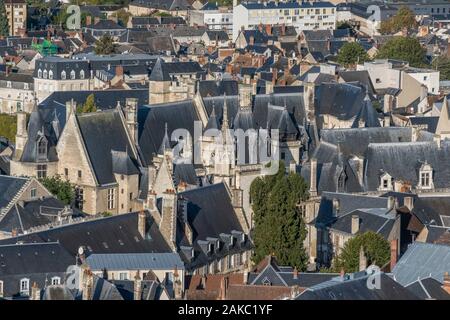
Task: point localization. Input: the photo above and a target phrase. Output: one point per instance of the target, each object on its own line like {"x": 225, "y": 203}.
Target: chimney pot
{"x": 355, "y": 224}
{"x": 394, "y": 253}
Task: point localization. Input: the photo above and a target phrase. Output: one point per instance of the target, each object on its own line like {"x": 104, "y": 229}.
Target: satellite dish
{"x": 80, "y": 251}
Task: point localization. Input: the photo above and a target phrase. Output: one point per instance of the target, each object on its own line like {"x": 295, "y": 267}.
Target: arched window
{"x": 426, "y": 176}
{"x": 50, "y": 74}
{"x": 72, "y": 75}
{"x": 82, "y": 74}
{"x": 45, "y": 74}
{"x": 63, "y": 75}
{"x": 39, "y": 73}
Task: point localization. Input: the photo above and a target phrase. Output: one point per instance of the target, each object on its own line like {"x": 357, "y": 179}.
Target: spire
{"x": 225, "y": 124}
{"x": 165, "y": 145}
{"x": 212, "y": 121}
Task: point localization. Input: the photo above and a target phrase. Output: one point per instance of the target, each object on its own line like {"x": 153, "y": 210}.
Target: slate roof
{"x": 429, "y": 209}
{"x": 162, "y": 71}
{"x": 361, "y": 76}
{"x": 427, "y": 123}
{"x": 116, "y": 234}
{"x": 347, "y": 204}
{"x": 357, "y": 289}
{"x": 58, "y": 64}
{"x": 135, "y": 261}
{"x": 421, "y": 261}
{"x": 211, "y": 88}
{"x": 102, "y": 133}
{"x": 9, "y": 187}
{"x": 106, "y": 25}
{"x": 27, "y": 215}
{"x": 210, "y": 215}
{"x": 367, "y": 116}
{"x": 380, "y": 221}
{"x": 386, "y": 157}
{"x": 428, "y": 289}
{"x": 37, "y": 261}
{"x": 342, "y": 101}
{"x": 152, "y": 120}
{"x": 356, "y": 141}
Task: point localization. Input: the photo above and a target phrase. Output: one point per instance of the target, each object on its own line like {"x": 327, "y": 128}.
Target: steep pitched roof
{"x": 422, "y": 260}
{"x": 103, "y": 133}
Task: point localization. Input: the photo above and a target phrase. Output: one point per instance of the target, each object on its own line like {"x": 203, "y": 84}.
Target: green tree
{"x": 442, "y": 63}
{"x": 404, "y": 48}
{"x": 4, "y": 26}
{"x": 376, "y": 250}
{"x": 343, "y": 25}
{"x": 279, "y": 228}
{"x": 122, "y": 16}
{"x": 104, "y": 45}
{"x": 351, "y": 54}
{"x": 8, "y": 126}
{"x": 404, "y": 18}
{"x": 88, "y": 106}
{"x": 63, "y": 190}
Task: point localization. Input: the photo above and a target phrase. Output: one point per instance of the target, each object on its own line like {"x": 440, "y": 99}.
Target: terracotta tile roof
{"x": 211, "y": 286}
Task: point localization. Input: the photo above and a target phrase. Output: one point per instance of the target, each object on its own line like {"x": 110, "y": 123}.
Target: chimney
{"x": 142, "y": 222}
{"x": 14, "y": 232}
{"x": 394, "y": 253}
{"x": 96, "y": 20}
{"x": 387, "y": 121}
{"x": 81, "y": 255}
{"x": 119, "y": 71}
{"x": 132, "y": 109}
{"x": 336, "y": 207}
{"x": 409, "y": 203}
{"x": 169, "y": 217}
{"x": 22, "y": 133}
{"x": 274, "y": 76}
{"x": 35, "y": 292}
{"x": 313, "y": 178}
{"x": 88, "y": 20}
{"x": 268, "y": 29}
{"x": 283, "y": 29}
{"x": 88, "y": 283}
{"x": 252, "y": 40}
{"x": 137, "y": 286}
{"x": 292, "y": 167}
{"x": 446, "y": 284}
{"x": 390, "y": 202}
{"x": 295, "y": 273}
{"x": 355, "y": 224}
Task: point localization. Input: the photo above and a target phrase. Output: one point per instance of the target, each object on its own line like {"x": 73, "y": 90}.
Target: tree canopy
{"x": 279, "y": 228}
{"x": 375, "y": 247}
{"x": 404, "y": 19}
{"x": 404, "y": 48}
{"x": 104, "y": 45}
{"x": 351, "y": 54}
{"x": 8, "y": 126}
{"x": 88, "y": 106}
{"x": 63, "y": 190}
{"x": 4, "y": 26}
{"x": 442, "y": 63}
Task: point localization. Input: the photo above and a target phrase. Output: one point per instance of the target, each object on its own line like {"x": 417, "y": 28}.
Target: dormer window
{"x": 39, "y": 73}
{"x": 82, "y": 74}
{"x": 266, "y": 282}
{"x": 42, "y": 147}
{"x": 385, "y": 182}
{"x": 63, "y": 75}
{"x": 25, "y": 286}
{"x": 72, "y": 75}
{"x": 45, "y": 74}
{"x": 56, "y": 281}
{"x": 50, "y": 74}
{"x": 426, "y": 177}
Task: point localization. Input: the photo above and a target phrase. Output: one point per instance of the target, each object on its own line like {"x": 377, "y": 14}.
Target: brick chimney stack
{"x": 394, "y": 253}
{"x": 446, "y": 285}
